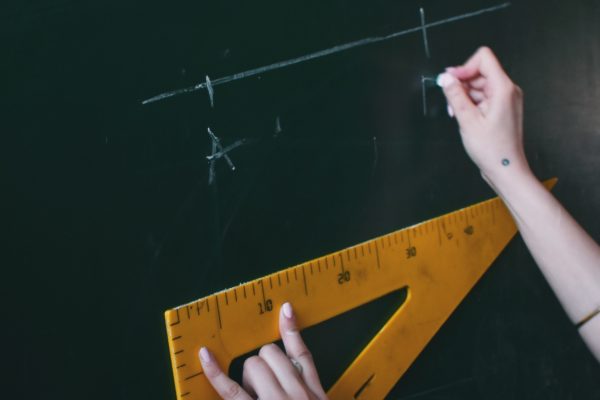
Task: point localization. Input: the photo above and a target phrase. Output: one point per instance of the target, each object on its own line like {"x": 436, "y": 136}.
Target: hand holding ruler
{"x": 437, "y": 261}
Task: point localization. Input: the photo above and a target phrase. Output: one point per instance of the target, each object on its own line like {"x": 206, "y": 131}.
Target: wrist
{"x": 508, "y": 175}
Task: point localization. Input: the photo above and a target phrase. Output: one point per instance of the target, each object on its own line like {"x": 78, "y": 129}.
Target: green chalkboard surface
{"x": 112, "y": 212}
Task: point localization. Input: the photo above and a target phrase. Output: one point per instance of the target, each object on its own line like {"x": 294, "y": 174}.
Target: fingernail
{"x": 205, "y": 354}
{"x": 287, "y": 310}
{"x": 450, "y": 111}
{"x": 445, "y": 79}
{"x": 450, "y": 69}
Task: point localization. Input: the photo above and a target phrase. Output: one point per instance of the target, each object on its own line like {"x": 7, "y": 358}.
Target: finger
{"x": 287, "y": 375}
{"x": 478, "y": 83}
{"x": 227, "y": 388}
{"x": 483, "y": 63}
{"x": 476, "y": 95}
{"x": 464, "y": 109}
{"x": 295, "y": 348}
{"x": 260, "y": 379}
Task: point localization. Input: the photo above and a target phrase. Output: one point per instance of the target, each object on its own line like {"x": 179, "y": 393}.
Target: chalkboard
{"x": 110, "y": 217}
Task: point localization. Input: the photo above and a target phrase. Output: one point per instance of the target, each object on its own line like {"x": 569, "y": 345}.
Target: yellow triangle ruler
{"x": 437, "y": 261}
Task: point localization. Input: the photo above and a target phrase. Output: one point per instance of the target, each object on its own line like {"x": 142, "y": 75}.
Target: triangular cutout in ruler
{"x": 439, "y": 260}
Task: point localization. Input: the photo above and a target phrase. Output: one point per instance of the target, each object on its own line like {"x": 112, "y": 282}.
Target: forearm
{"x": 489, "y": 109}
{"x": 567, "y": 256}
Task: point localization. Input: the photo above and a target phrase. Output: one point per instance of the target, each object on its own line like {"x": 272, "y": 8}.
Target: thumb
{"x": 464, "y": 109}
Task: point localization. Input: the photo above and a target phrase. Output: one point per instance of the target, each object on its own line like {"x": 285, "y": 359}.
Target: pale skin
{"x": 488, "y": 107}
{"x": 271, "y": 375}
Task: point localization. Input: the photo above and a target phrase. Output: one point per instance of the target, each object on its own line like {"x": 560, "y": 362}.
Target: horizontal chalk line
{"x": 322, "y": 53}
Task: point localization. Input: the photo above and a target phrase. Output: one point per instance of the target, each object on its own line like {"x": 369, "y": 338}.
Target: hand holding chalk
{"x": 489, "y": 109}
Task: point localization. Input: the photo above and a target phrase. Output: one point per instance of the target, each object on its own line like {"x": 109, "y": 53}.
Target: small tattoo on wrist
{"x": 505, "y": 162}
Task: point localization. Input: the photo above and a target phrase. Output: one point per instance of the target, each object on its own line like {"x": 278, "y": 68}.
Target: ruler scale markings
{"x": 218, "y": 312}
{"x": 304, "y": 278}
{"x": 194, "y": 375}
{"x": 176, "y": 322}
{"x": 262, "y": 285}
{"x": 377, "y": 255}
{"x": 235, "y": 294}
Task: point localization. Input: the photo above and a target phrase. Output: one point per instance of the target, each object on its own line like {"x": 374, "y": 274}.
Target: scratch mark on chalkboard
{"x": 424, "y": 31}
{"x": 438, "y": 388}
{"x": 424, "y": 82}
{"x": 211, "y": 92}
{"x": 277, "y": 127}
{"x": 218, "y": 152}
{"x": 216, "y": 155}
{"x": 375, "y": 155}
{"x": 211, "y": 165}
{"x": 424, "y": 95}
{"x": 323, "y": 53}
{"x": 217, "y": 146}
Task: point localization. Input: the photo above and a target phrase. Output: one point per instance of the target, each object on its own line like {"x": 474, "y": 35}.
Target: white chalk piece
{"x": 445, "y": 79}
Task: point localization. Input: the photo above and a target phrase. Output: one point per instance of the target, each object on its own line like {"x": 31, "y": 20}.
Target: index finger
{"x": 296, "y": 349}
{"x": 226, "y": 387}
{"x": 482, "y": 63}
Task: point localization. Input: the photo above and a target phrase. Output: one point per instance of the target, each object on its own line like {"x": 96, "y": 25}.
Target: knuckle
{"x": 232, "y": 391}
{"x": 304, "y": 354}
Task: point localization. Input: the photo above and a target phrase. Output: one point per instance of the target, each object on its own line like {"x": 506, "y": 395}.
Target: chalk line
{"x": 424, "y": 31}
{"x": 323, "y": 53}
